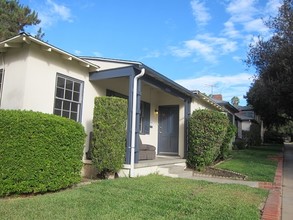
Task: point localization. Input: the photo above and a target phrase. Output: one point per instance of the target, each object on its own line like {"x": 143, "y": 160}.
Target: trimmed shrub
{"x": 206, "y": 133}
{"x": 273, "y": 137}
{"x": 38, "y": 152}
{"x": 226, "y": 147}
{"x": 255, "y": 135}
{"x": 252, "y": 137}
{"x": 109, "y": 134}
{"x": 239, "y": 144}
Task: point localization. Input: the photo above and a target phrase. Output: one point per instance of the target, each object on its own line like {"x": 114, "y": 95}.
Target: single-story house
{"x": 247, "y": 117}
{"x": 229, "y": 109}
{"x": 35, "y": 75}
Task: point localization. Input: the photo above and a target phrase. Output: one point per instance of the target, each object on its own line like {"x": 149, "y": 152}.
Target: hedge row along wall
{"x": 38, "y": 152}
{"x": 109, "y": 134}
{"x": 206, "y": 134}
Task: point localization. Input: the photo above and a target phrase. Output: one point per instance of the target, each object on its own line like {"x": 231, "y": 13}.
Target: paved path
{"x": 287, "y": 205}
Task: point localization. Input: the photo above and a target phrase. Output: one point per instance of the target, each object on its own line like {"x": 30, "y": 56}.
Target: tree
{"x": 264, "y": 104}
{"x": 271, "y": 94}
{"x": 235, "y": 101}
{"x": 14, "y": 18}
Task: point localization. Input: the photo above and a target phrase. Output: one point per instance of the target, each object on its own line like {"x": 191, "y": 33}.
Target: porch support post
{"x": 129, "y": 120}
{"x": 137, "y": 128}
{"x": 187, "y": 112}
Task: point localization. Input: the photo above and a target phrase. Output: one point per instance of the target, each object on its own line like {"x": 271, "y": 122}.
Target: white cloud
{"x": 50, "y": 13}
{"x": 77, "y": 52}
{"x": 205, "y": 46}
{"x": 202, "y": 48}
{"x": 272, "y": 7}
{"x": 246, "y": 20}
{"x": 97, "y": 54}
{"x": 256, "y": 25}
{"x": 200, "y": 12}
{"x": 237, "y": 58}
{"x": 230, "y": 30}
{"x": 151, "y": 54}
{"x": 194, "y": 48}
{"x": 247, "y": 17}
{"x": 228, "y": 86}
{"x": 180, "y": 51}
{"x": 60, "y": 10}
{"x": 241, "y": 10}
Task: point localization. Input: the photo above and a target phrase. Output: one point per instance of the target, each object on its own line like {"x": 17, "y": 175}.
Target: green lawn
{"x": 254, "y": 162}
{"x": 151, "y": 197}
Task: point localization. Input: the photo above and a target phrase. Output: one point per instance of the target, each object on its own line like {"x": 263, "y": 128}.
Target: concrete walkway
{"x": 287, "y": 195}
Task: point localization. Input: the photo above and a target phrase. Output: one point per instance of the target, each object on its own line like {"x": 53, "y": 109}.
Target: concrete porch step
{"x": 176, "y": 170}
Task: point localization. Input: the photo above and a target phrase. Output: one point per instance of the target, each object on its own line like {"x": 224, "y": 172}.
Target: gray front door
{"x": 168, "y": 130}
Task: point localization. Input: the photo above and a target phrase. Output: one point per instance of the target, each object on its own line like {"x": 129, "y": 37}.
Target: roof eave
{"x": 18, "y": 40}
{"x": 207, "y": 100}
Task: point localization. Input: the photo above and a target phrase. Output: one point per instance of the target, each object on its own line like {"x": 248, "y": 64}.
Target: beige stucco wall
{"x": 245, "y": 125}
{"x": 197, "y": 104}
{"x": 38, "y": 69}
{"x": 151, "y": 95}
{"x": 15, "y": 71}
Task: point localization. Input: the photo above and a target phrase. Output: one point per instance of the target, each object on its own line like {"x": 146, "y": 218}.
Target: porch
{"x": 158, "y": 110}
{"x": 162, "y": 165}
{"x": 161, "y": 108}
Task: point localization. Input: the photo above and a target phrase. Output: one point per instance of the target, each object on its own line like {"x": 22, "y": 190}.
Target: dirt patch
{"x": 215, "y": 172}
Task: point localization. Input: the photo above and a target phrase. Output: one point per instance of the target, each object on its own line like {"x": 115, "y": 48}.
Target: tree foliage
{"x": 271, "y": 94}
{"x": 235, "y": 101}
{"x": 14, "y": 18}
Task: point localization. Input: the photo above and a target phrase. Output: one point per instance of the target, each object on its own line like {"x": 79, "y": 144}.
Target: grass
{"x": 151, "y": 197}
{"x": 254, "y": 162}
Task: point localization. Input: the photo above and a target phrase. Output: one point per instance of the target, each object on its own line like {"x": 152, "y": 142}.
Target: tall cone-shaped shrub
{"x": 109, "y": 134}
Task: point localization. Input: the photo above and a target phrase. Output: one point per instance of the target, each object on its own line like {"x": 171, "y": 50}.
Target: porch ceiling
{"x": 151, "y": 77}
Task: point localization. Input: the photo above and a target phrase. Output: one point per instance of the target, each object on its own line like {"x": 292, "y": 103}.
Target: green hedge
{"x": 227, "y": 145}
{"x": 253, "y": 136}
{"x": 273, "y": 137}
{"x": 109, "y": 134}
{"x": 206, "y": 133}
{"x": 38, "y": 152}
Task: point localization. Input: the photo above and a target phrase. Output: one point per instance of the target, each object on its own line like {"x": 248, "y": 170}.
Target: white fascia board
{"x": 24, "y": 38}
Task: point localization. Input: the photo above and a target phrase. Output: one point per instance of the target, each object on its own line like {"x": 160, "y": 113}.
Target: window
{"x": 1, "y": 83}
{"x": 145, "y": 117}
{"x": 68, "y": 97}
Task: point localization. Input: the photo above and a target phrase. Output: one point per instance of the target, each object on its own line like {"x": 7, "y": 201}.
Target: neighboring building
{"x": 229, "y": 109}
{"x": 204, "y": 102}
{"x": 37, "y": 76}
{"x": 246, "y": 118}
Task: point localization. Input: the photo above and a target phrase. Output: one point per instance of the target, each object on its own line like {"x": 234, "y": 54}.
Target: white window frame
{"x": 65, "y": 99}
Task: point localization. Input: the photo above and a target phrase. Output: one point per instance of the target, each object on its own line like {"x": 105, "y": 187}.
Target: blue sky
{"x": 200, "y": 44}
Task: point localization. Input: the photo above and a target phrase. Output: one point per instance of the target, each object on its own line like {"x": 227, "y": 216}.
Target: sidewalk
{"x": 287, "y": 203}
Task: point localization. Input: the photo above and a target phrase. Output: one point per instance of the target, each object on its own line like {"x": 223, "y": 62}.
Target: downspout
{"x": 133, "y": 121}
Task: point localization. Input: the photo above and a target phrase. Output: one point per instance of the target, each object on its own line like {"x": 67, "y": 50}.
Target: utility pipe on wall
{"x": 133, "y": 121}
